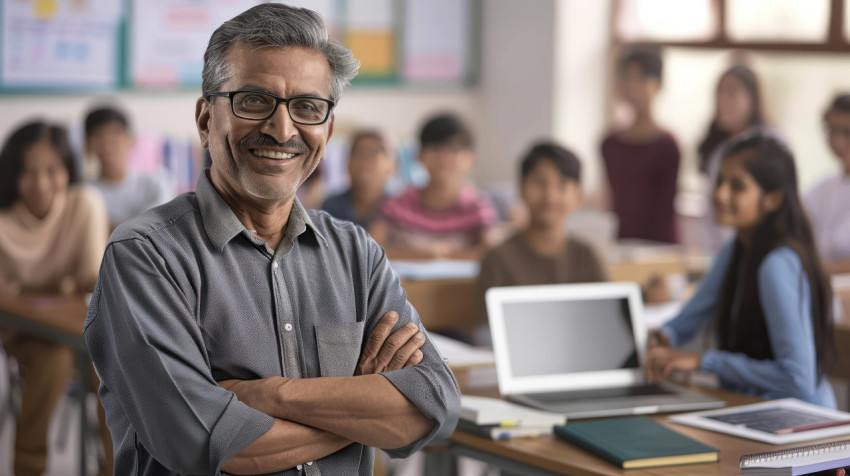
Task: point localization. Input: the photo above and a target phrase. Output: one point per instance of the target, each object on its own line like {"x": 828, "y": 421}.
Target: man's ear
{"x": 202, "y": 121}
{"x": 773, "y": 200}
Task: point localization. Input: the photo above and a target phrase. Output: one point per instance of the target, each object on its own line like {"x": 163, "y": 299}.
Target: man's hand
{"x": 386, "y": 350}
{"x": 662, "y": 361}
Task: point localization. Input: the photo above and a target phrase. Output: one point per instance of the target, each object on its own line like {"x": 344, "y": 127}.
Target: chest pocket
{"x": 339, "y": 348}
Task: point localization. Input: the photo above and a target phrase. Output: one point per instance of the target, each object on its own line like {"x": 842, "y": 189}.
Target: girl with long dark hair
{"x": 767, "y": 296}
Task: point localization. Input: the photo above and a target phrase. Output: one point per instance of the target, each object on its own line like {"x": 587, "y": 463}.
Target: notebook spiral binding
{"x": 803, "y": 451}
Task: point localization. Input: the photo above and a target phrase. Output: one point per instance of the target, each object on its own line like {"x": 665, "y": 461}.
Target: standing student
{"x": 52, "y": 236}
{"x": 370, "y": 167}
{"x": 126, "y": 194}
{"x": 766, "y": 295}
{"x": 447, "y": 218}
{"x": 738, "y": 114}
{"x": 827, "y": 202}
{"x": 642, "y": 162}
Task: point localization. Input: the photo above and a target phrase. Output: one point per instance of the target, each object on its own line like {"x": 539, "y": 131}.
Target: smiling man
{"x": 235, "y": 331}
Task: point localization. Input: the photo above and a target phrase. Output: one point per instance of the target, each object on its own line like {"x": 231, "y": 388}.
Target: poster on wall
{"x": 168, "y": 37}
{"x": 371, "y": 35}
{"x": 60, "y": 44}
{"x": 436, "y": 58}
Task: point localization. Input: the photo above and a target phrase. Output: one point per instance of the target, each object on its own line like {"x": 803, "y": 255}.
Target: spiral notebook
{"x": 802, "y": 460}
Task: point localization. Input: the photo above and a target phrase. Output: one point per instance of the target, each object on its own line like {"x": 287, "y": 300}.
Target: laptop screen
{"x": 567, "y": 336}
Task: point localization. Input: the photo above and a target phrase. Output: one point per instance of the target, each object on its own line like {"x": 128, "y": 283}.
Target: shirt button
{"x": 275, "y": 265}
{"x": 287, "y": 327}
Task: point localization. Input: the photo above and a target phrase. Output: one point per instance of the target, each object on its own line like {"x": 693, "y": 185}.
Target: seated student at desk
{"x": 370, "y": 167}
{"x": 447, "y": 218}
{"x": 52, "y": 236}
{"x": 125, "y": 193}
{"x": 827, "y": 202}
{"x": 543, "y": 252}
{"x": 767, "y": 295}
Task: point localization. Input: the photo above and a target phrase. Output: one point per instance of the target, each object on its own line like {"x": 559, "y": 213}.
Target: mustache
{"x": 267, "y": 140}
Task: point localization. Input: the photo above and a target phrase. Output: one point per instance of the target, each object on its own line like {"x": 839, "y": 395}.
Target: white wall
{"x": 581, "y": 49}
{"x": 517, "y": 83}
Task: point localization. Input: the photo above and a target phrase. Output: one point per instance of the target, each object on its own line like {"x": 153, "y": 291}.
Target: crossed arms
{"x": 317, "y": 417}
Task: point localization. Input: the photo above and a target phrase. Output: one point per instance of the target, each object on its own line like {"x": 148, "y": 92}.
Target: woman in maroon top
{"x": 642, "y": 161}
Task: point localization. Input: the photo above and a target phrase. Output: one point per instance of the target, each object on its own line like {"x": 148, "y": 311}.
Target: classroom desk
{"x": 452, "y": 303}
{"x": 551, "y": 455}
{"x": 60, "y": 320}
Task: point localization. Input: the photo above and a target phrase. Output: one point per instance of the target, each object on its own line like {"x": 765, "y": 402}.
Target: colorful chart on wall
{"x": 437, "y": 40}
{"x": 107, "y": 45}
{"x": 169, "y": 37}
{"x": 78, "y": 38}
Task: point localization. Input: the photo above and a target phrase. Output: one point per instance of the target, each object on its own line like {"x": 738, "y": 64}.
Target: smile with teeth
{"x": 271, "y": 154}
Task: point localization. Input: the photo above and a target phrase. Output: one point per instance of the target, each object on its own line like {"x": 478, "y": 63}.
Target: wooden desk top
{"x": 556, "y": 455}
{"x": 60, "y": 315}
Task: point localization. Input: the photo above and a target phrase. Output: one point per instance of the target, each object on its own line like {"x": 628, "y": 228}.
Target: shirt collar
{"x": 221, "y": 224}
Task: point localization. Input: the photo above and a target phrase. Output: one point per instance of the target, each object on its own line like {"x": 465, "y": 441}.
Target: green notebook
{"x": 636, "y": 443}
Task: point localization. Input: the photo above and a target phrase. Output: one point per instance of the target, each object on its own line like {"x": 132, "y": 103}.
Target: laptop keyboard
{"x": 601, "y": 393}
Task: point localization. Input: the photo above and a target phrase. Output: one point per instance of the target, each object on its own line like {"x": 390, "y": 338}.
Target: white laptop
{"x": 578, "y": 349}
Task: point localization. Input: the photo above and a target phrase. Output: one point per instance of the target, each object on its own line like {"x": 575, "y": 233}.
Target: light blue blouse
{"x": 786, "y": 300}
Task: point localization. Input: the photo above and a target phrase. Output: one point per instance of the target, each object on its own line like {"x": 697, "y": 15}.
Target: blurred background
{"x": 516, "y": 71}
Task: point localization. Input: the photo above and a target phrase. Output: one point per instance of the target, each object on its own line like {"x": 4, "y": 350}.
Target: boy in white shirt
{"x": 125, "y": 194}
{"x": 827, "y": 202}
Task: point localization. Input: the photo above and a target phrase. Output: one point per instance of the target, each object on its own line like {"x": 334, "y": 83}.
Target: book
{"x": 501, "y": 432}
{"x": 636, "y": 442}
{"x": 495, "y": 411}
{"x": 794, "y": 461}
{"x": 777, "y": 422}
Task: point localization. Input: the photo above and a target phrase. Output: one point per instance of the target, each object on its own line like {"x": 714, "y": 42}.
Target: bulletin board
{"x": 106, "y": 45}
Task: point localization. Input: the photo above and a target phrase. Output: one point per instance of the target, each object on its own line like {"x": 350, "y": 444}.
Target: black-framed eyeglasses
{"x": 258, "y": 106}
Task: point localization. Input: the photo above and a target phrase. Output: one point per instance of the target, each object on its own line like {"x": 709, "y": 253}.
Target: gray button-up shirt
{"x": 187, "y": 296}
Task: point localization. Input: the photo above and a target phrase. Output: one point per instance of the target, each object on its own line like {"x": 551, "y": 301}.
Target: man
{"x": 233, "y": 330}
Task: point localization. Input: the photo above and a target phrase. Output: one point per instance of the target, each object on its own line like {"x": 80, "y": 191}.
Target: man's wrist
{"x": 280, "y": 404}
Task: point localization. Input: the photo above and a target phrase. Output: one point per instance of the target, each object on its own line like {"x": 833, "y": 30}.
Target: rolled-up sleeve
{"x": 148, "y": 351}
{"x": 429, "y": 385}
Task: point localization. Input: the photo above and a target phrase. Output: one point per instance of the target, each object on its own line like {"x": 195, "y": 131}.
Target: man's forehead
{"x": 298, "y": 66}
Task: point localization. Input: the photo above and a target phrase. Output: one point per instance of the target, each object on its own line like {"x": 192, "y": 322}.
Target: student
{"x": 737, "y": 115}
{"x": 370, "y": 166}
{"x": 767, "y": 296}
{"x": 108, "y": 138}
{"x": 447, "y": 218}
{"x": 642, "y": 162}
{"x": 543, "y": 252}
{"x": 827, "y": 202}
{"x": 52, "y": 236}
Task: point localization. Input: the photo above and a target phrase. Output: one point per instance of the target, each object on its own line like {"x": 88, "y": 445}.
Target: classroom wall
{"x": 543, "y": 73}
{"x": 579, "y": 98}
{"x": 517, "y": 83}
{"x": 796, "y": 88}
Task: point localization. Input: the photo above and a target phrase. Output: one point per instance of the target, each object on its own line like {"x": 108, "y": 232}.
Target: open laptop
{"x": 578, "y": 349}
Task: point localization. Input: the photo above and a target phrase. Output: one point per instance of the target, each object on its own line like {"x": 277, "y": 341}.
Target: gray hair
{"x": 281, "y": 26}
